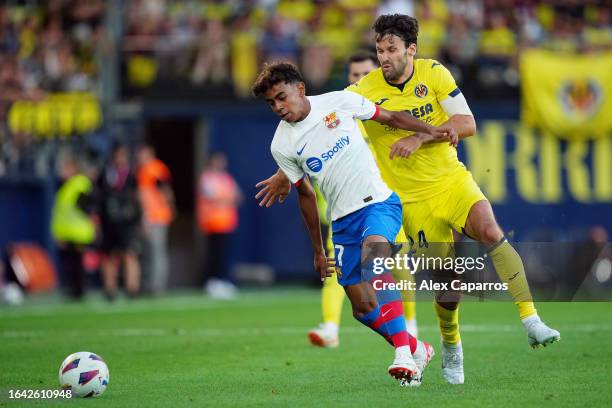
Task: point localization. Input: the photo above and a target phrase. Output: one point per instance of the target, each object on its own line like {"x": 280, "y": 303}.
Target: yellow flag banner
{"x": 568, "y": 95}
{"x": 58, "y": 114}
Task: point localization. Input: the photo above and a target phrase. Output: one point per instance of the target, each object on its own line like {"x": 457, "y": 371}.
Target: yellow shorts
{"x": 433, "y": 220}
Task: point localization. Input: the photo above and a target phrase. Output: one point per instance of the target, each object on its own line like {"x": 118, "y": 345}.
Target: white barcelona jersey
{"x": 328, "y": 146}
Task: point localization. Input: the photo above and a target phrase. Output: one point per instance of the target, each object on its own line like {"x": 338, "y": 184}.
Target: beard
{"x": 396, "y": 72}
{"x": 392, "y": 75}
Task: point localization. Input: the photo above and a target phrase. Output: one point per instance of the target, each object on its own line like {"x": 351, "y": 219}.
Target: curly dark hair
{"x": 274, "y": 73}
{"x": 401, "y": 25}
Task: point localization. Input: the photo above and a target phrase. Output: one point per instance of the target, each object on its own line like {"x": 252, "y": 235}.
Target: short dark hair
{"x": 274, "y": 73}
{"x": 405, "y": 27}
{"x": 363, "y": 55}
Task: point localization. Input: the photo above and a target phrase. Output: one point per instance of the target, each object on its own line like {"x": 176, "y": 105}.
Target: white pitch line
{"x": 166, "y": 305}
{"x": 261, "y": 331}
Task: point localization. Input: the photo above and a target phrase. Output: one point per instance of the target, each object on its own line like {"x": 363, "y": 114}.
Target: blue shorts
{"x": 348, "y": 232}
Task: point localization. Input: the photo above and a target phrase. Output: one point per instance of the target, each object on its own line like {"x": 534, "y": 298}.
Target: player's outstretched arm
{"x": 404, "y": 120}
{"x": 308, "y": 206}
{"x": 275, "y": 188}
{"x": 406, "y": 146}
{"x": 458, "y": 127}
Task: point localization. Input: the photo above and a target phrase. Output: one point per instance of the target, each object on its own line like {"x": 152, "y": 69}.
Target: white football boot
{"x": 404, "y": 369}
{"x": 452, "y": 363}
{"x": 326, "y": 335}
{"x": 221, "y": 289}
{"x": 538, "y": 333}
{"x": 422, "y": 356}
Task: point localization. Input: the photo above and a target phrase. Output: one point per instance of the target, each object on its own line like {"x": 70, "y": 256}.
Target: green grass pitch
{"x": 192, "y": 351}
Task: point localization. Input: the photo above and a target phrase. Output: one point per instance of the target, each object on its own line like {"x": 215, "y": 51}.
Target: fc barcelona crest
{"x": 421, "y": 90}
{"x": 332, "y": 121}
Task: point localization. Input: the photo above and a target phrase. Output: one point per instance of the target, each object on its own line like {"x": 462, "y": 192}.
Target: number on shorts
{"x": 340, "y": 252}
{"x": 423, "y": 240}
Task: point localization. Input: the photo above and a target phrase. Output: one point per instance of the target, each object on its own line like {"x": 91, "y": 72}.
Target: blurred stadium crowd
{"x": 48, "y": 48}
{"x": 49, "y": 56}
{"x": 478, "y": 39}
{"x": 59, "y": 45}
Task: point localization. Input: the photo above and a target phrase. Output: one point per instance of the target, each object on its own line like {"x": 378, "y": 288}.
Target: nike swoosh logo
{"x": 381, "y": 101}
{"x": 434, "y": 64}
{"x": 299, "y": 152}
{"x": 514, "y": 276}
{"x": 386, "y": 312}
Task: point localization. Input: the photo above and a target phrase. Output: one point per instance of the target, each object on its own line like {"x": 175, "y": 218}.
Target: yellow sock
{"x": 409, "y": 310}
{"x": 449, "y": 324}
{"x": 332, "y": 296}
{"x": 509, "y": 268}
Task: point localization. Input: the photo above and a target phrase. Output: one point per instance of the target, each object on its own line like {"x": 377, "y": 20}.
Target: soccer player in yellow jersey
{"x": 332, "y": 294}
{"x": 438, "y": 193}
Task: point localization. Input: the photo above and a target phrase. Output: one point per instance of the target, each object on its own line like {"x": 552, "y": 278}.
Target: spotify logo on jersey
{"x": 314, "y": 164}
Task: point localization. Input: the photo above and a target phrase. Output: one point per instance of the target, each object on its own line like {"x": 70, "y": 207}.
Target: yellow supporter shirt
{"x": 429, "y": 170}
{"x": 498, "y": 42}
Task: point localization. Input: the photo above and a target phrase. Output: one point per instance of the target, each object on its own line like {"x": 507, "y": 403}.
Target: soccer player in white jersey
{"x": 319, "y": 138}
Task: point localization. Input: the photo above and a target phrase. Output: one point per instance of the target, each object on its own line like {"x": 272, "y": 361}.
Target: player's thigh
{"x": 464, "y": 195}
{"x": 427, "y": 229}
{"x": 481, "y": 224}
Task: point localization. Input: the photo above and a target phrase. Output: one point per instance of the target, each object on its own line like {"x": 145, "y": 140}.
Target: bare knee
{"x": 363, "y": 308}
{"x": 481, "y": 224}
{"x": 449, "y": 300}
{"x": 375, "y": 246}
{"x": 448, "y": 305}
{"x": 491, "y": 234}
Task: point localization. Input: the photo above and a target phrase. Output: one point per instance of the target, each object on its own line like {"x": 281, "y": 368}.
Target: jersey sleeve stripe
{"x": 376, "y": 113}
{"x": 454, "y": 93}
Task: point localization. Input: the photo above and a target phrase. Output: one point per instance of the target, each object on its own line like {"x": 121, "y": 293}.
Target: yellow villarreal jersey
{"x": 427, "y": 172}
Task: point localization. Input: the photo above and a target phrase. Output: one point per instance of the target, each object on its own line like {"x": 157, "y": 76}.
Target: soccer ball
{"x": 84, "y": 373}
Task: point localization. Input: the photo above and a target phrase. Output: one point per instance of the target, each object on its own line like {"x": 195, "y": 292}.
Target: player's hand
{"x": 451, "y": 134}
{"x": 405, "y": 147}
{"x": 325, "y": 266}
{"x": 446, "y": 132}
{"x": 273, "y": 189}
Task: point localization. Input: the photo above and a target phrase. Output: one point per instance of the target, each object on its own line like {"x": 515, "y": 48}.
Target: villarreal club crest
{"x": 420, "y": 91}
